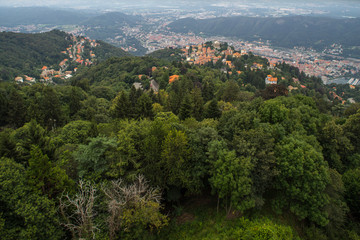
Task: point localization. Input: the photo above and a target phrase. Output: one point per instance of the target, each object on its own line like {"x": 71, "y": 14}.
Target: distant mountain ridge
{"x": 39, "y": 15}
{"x": 113, "y": 18}
{"x": 290, "y": 31}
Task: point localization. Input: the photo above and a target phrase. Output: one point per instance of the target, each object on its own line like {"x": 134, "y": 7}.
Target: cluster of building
{"x": 353, "y": 82}
{"x": 74, "y": 53}
{"x": 203, "y": 53}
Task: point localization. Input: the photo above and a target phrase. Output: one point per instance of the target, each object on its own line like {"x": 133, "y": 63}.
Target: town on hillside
{"x": 75, "y": 55}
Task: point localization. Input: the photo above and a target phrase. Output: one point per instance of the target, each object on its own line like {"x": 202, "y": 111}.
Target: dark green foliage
{"x": 185, "y": 108}
{"x": 213, "y": 110}
{"x": 203, "y": 133}
{"x": 25, "y": 53}
{"x": 302, "y": 179}
{"x": 167, "y": 54}
{"x": 351, "y": 180}
{"x": 93, "y": 160}
{"x": 143, "y": 107}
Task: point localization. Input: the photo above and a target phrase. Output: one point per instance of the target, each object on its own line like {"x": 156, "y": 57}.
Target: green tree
{"x": 208, "y": 89}
{"x": 273, "y": 111}
{"x": 27, "y": 136}
{"x": 302, "y": 180}
{"x": 352, "y": 130}
{"x": 27, "y": 213}
{"x": 46, "y": 176}
{"x": 231, "y": 91}
{"x": 185, "y": 108}
{"x": 51, "y": 111}
{"x": 17, "y": 112}
{"x": 75, "y": 100}
{"x": 258, "y": 145}
{"x": 95, "y": 158}
{"x": 121, "y": 107}
{"x": 144, "y": 106}
{"x": 230, "y": 177}
{"x": 213, "y": 110}
{"x": 174, "y": 159}
{"x": 336, "y": 146}
{"x": 78, "y": 131}
{"x": 197, "y": 104}
{"x": 351, "y": 179}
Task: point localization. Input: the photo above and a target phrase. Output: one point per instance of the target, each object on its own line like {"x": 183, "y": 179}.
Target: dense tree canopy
{"x": 73, "y": 154}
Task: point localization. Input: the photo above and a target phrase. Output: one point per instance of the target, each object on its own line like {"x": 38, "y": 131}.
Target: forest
{"x": 211, "y": 155}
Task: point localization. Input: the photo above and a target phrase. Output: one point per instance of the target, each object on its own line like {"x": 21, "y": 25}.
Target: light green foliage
{"x": 175, "y": 159}
{"x": 77, "y": 132}
{"x": 302, "y": 179}
{"x": 230, "y": 177}
{"x": 130, "y": 142}
{"x": 215, "y": 227}
{"x": 273, "y": 111}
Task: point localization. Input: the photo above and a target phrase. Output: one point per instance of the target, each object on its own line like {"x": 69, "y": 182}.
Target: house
{"x": 29, "y": 79}
{"x": 292, "y": 88}
{"x": 154, "y": 86}
{"x": 19, "y": 80}
{"x": 237, "y": 55}
{"x": 216, "y": 44}
{"x": 173, "y": 78}
{"x": 138, "y": 86}
{"x": 270, "y": 80}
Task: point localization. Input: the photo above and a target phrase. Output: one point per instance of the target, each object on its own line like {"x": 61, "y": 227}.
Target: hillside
{"x": 316, "y": 32}
{"x": 167, "y": 54}
{"x": 22, "y": 53}
{"x": 113, "y": 19}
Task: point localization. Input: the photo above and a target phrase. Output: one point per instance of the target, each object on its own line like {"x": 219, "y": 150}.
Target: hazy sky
{"x": 145, "y": 3}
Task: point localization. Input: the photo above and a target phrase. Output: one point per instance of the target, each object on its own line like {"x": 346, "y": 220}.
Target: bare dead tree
{"x": 79, "y": 211}
{"x": 122, "y": 196}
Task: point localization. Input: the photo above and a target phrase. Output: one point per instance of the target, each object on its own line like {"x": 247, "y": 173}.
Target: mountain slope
{"x": 39, "y": 15}
{"x": 22, "y": 53}
{"x": 112, "y": 19}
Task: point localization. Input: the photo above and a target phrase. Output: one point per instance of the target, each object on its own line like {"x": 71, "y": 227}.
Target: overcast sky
{"x": 120, "y": 3}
